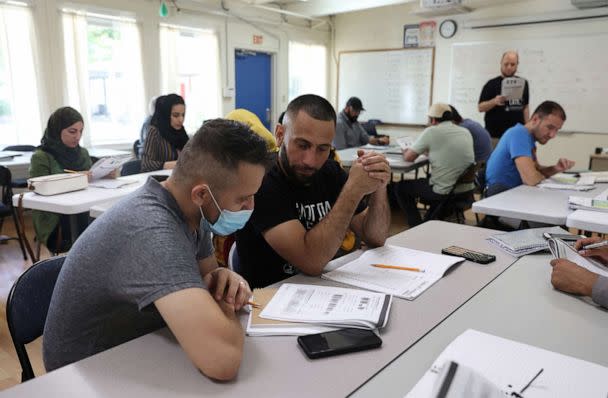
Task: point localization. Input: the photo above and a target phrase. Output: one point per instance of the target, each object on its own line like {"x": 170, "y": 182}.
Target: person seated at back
{"x": 251, "y": 120}
{"x": 59, "y": 150}
{"x": 166, "y": 134}
{"x": 572, "y": 278}
{"x": 148, "y": 260}
{"x": 450, "y": 151}
{"x": 307, "y": 201}
{"x": 482, "y": 142}
{"x": 349, "y": 132}
{"x": 514, "y": 162}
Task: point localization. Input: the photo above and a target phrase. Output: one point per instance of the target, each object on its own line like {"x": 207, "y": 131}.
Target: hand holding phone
{"x": 338, "y": 342}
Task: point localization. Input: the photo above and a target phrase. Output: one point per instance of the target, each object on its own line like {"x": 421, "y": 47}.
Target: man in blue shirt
{"x": 514, "y": 162}
{"x": 482, "y": 142}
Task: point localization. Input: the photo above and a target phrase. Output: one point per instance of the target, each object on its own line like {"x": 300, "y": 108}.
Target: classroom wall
{"x": 235, "y": 30}
{"x": 383, "y": 28}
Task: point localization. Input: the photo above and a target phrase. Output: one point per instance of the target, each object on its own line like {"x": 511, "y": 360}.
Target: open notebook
{"x": 400, "y": 283}
{"x": 525, "y": 241}
{"x": 510, "y": 366}
{"x": 560, "y": 249}
{"x": 582, "y": 203}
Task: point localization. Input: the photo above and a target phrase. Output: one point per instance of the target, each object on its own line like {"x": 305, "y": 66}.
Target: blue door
{"x": 253, "y": 84}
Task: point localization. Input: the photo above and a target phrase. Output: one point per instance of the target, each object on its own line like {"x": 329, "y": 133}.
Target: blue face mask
{"x": 228, "y": 222}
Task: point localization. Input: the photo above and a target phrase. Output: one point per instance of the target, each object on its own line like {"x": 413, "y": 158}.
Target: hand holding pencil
{"x": 593, "y": 247}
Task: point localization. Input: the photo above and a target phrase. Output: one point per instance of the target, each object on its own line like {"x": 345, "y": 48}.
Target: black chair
{"x": 27, "y": 306}
{"x": 137, "y": 149}
{"x": 20, "y": 182}
{"x": 131, "y": 167}
{"x": 7, "y": 209}
{"x": 454, "y": 203}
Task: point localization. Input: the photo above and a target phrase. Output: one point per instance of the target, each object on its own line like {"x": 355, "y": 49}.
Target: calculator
{"x": 471, "y": 255}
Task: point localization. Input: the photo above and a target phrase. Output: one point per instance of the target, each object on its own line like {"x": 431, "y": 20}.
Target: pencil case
{"x": 55, "y": 184}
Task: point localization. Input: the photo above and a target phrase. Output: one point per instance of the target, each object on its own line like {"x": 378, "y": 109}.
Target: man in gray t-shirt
{"x": 149, "y": 260}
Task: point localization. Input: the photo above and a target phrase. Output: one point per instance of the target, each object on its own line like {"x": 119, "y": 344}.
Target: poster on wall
{"x": 427, "y": 34}
{"x": 411, "y": 35}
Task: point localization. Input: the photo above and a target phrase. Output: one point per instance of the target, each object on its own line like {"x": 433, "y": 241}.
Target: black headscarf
{"x": 162, "y": 120}
{"x": 68, "y": 158}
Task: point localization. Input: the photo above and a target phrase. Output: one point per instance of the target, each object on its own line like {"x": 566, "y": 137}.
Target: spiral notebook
{"x": 526, "y": 241}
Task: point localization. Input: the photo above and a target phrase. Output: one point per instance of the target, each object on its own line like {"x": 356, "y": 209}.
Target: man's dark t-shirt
{"x": 281, "y": 199}
{"x": 501, "y": 118}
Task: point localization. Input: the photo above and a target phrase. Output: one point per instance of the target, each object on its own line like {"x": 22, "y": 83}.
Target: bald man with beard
{"x": 501, "y": 114}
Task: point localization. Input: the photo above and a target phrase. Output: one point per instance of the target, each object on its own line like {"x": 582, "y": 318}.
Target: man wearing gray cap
{"x": 450, "y": 151}
{"x": 349, "y": 132}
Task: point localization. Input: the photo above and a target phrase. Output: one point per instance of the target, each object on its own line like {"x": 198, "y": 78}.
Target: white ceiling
{"x": 321, "y": 8}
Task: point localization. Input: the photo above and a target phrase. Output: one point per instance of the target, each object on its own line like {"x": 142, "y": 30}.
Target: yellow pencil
{"x": 254, "y": 304}
{"x": 397, "y": 267}
{"x": 72, "y": 171}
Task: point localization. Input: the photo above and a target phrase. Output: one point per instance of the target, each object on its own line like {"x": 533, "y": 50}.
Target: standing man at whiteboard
{"x": 349, "y": 132}
{"x": 500, "y": 113}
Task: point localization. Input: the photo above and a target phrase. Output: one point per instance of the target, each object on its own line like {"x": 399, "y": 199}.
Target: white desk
{"x": 520, "y": 305}
{"x": 76, "y": 202}
{"x": 396, "y": 161}
{"x": 586, "y": 220}
{"x": 528, "y": 203}
{"x": 81, "y": 201}
{"x": 18, "y": 165}
{"x": 591, "y": 221}
{"x": 155, "y": 366}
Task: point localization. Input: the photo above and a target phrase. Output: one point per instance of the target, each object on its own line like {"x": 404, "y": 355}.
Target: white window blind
{"x": 190, "y": 68}
{"x": 20, "y": 101}
{"x": 307, "y": 69}
{"x": 104, "y": 77}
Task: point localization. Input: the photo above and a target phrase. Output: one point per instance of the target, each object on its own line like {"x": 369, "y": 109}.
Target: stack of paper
{"x": 400, "y": 283}
{"x": 599, "y": 176}
{"x": 526, "y": 241}
{"x": 582, "y": 203}
{"x": 405, "y": 142}
{"x": 569, "y": 183}
{"x": 511, "y": 366}
{"x": 258, "y": 326}
{"x": 310, "y": 309}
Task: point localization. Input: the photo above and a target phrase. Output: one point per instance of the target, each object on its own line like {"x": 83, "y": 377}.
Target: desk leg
{"x": 73, "y": 227}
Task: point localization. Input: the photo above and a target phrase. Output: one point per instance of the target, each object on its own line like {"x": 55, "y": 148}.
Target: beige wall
{"x": 383, "y": 28}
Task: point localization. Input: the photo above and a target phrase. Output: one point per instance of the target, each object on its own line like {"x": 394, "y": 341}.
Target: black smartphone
{"x": 564, "y": 237}
{"x": 338, "y": 342}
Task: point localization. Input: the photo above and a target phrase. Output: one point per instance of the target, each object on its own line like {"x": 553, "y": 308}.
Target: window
{"x": 20, "y": 121}
{"x": 104, "y": 76}
{"x": 307, "y": 69}
{"x": 190, "y": 68}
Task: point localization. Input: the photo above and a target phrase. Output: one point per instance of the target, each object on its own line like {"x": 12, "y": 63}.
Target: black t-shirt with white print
{"x": 501, "y": 118}
{"x": 280, "y": 199}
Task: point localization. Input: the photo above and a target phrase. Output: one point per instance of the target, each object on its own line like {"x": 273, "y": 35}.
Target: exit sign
{"x": 258, "y": 39}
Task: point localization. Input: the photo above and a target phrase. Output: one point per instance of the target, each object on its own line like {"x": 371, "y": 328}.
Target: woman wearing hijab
{"x": 250, "y": 119}
{"x": 166, "y": 134}
{"x": 59, "y": 150}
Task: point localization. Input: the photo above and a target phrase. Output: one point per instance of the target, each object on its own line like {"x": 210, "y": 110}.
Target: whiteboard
{"x": 395, "y": 86}
{"x": 573, "y": 71}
